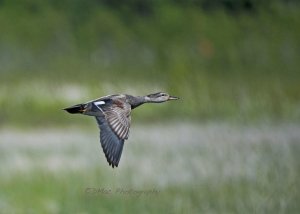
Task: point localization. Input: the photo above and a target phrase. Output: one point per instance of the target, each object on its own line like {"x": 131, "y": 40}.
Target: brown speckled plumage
{"x": 112, "y": 113}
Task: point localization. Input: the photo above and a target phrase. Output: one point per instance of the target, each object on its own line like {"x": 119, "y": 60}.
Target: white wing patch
{"x": 99, "y": 103}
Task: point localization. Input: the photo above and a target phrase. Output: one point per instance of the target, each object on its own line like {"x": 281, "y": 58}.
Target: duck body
{"x": 112, "y": 114}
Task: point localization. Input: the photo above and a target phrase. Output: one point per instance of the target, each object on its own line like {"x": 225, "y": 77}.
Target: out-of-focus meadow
{"x": 230, "y": 145}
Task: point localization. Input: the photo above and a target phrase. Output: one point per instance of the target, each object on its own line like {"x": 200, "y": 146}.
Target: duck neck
{"x": 136, "y": 101}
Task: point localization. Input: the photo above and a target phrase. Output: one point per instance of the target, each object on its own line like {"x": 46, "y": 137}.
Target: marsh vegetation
{"x": 230, "y": 145}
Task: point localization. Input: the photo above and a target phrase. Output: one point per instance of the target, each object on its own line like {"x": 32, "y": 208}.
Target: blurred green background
{"x": 227, "y": 59}
{"x": 234, "y": 63}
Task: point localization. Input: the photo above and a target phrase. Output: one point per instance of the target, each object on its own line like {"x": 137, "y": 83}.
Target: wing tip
{"x": 112, "y": 164}
{"x": 110, "y": 160}
{"x": 112, "y": 145}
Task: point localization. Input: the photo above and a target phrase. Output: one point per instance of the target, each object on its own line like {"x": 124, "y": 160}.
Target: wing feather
{"x": 112, "y": 145}
{"x": 114, "y": 126}
{"x": 118, "y": 118}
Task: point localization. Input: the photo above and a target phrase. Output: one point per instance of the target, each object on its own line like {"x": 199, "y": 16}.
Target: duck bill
{"x": 173, "y": 98}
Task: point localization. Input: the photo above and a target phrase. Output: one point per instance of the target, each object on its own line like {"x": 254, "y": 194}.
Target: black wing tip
{"x": 110, "y": 161}
{"x": 113, "y": 165}
{"x": 111, "y": 144}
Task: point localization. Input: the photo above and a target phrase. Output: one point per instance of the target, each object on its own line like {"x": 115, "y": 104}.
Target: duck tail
{"x": 76, "y": 109}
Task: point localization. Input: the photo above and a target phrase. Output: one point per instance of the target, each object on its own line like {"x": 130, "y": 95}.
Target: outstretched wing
{"x": 118, "y": 118}
{"x": 114, "y": 129}
{"x": 112, "y": 145}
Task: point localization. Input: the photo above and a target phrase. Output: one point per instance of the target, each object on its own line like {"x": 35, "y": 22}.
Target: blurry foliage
{"x": 226, "y": 59}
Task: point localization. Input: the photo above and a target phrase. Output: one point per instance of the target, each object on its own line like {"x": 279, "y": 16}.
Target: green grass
{"x": 44, "y": 192}
{"x": 236, "y": 72}
{"x": 236, "y": 67}
{"x": 192, "y": 168}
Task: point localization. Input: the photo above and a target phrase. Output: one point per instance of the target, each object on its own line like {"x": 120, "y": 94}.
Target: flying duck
{"x": 112, "y": 113}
